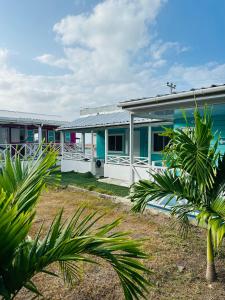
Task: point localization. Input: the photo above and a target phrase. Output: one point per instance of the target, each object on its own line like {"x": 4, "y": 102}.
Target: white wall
{"x": 75, "y": 165}
{"x": 123, "y": 172}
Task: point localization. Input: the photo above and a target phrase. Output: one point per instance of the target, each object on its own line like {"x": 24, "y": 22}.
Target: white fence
{"x": 27, "y": 151}
{"x": 137, "y": 161}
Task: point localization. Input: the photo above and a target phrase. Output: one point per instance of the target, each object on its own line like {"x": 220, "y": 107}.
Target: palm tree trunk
{"x": 211, "y": 270}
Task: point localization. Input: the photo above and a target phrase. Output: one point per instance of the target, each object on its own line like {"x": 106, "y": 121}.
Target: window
{"x": 67, "y": 137}
{"x": 115, "y": 143}
{"x": 159, "y": 142}
{"x": 30, "y": 136}
{"x": 51, "y": 136}
{"x": 57, "y": 136}
{"x": 4, "y": 135}
{"x": 22, "y": 135}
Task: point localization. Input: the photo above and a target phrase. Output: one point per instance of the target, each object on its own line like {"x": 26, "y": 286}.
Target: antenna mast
{"x": 172, "y": 86}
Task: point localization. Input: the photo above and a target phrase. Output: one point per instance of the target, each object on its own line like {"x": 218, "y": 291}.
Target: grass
{"x": 88, "y": 181}
{"x": 166, "y": 248}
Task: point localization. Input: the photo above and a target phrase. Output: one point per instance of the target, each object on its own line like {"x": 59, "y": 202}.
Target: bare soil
{"x": 178, "y": 265}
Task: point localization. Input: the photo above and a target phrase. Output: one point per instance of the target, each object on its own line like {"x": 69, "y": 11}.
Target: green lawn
{"x": 88, "y": 181}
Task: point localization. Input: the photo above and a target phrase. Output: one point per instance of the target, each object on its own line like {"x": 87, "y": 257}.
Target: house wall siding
{"x": 142, "y": 144}
{"x": 218, "y": 127}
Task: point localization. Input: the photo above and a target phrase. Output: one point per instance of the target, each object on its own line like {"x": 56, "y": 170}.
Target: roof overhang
{"x": 167, "y": 103}
{"x": 116, "y": 125}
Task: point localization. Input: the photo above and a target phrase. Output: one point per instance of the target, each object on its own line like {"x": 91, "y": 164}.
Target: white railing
{"x": 25, "y": 151}
{"x": 138, "y": 162}
{"x": 141, "y": 161}
{"x": 71, "y": 148}
{"x": 118, "y": 159}
{"x": 77, "y": 156}
{"x": 125, "y": 160}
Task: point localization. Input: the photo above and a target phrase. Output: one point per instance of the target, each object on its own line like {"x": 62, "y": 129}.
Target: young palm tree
{"x": 195, "y": 177}
{"x": 68, "y": 243}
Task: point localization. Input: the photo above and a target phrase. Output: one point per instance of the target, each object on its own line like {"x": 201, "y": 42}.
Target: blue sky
{"x": 57, "y": 56}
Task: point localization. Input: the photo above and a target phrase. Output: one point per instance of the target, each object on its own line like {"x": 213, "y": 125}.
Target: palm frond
{"x": 165, "y": 184}
{"x": 77, "y": 241}
{"x": 13, "y": 228}
{"x": 26, "y": 180}
{"x": 191, "y": 151}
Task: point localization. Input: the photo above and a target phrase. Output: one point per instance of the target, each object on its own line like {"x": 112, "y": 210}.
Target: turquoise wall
{"x": 218, "y": 126}
{"x": 143, "y": 141}
{"x": 100, "y": 141}
{"x": 100, "y": 144}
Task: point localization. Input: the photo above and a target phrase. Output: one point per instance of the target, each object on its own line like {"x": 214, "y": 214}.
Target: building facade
{"x": 128, "y": 137}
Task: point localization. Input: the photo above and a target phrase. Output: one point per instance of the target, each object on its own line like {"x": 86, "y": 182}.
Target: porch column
{"x": 131, "y": 148}
{"x": 40, "y": 134}
{"x": 83, "y": 141}
{"x": 61, "y": 142}
{"x": 93, "y": 171}
{"x": 106, "y": 144}
{"x": 92, "y": 145}
{"x": 149, "y": 145}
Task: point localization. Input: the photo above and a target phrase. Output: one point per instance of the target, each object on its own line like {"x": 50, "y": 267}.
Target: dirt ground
{"x": 178, "y": 265}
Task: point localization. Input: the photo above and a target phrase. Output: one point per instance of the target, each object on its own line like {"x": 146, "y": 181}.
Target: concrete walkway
{"x": 114, "y": 181}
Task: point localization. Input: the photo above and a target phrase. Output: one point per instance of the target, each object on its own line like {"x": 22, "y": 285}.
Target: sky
{"x": 58, "y": 56}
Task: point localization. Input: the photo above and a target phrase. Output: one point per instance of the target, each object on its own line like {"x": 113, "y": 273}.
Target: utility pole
{"x": 172, "y": 86}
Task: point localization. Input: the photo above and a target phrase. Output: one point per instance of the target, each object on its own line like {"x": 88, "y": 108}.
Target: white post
{"x": 62, "y": 142}
{"x": 39, "y": 134}
{"x": 149, "y": 145}
{"x": 83, "y": 141}
{"x": 25, "y": 140}
{"x": 127, "y": 142}
{"x": 93, "y": 170}
{"x": 106, "y": 144}
{"x": 92, "y": 145}
{"x": 131, "y": 148}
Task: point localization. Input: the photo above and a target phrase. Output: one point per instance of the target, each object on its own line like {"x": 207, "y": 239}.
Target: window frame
{"x": 152, "y": 148}
{"x": 123, "y": 141}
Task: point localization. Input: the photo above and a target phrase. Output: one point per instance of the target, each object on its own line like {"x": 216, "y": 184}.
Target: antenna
{"x": 172, "y": 86}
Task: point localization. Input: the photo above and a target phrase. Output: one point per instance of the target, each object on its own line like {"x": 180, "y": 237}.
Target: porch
{"x": 113, "y": 153}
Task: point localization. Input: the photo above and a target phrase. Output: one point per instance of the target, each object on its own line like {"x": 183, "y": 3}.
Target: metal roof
{"x": 103, "y": 120}
{"x": 166, "y": 100}
{"x": 17, "y": 117}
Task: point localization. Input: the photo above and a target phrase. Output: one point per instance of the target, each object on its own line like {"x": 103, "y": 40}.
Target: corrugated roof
{"x": 18, "y": 117}
{"x": 102, "y": 120}
{"x": 211, "y": 87}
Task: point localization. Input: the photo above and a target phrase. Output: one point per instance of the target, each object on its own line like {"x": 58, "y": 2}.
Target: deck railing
{"x": 28, "y": 150}
{"x": 77, "y": 156}
{"x": 138, "y": 162}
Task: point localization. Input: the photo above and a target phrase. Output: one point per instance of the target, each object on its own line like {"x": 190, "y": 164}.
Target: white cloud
{"x": 52, "y": 60}
{"x": 4, "y": 55}
{"x": 159, "y": 48}
{"x": 111, "y": 54}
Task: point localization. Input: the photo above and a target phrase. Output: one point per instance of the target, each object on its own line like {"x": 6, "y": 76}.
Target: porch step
{"x": 114, "y": 181}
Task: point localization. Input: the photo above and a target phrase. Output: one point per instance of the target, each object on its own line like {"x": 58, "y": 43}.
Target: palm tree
{"x": 68, "y": 243}
{"x": 195, "y": 177}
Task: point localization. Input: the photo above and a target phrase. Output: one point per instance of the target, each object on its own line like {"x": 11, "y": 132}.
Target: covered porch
{"x": 22, "y": 134}
{"x": 118, "y": 143}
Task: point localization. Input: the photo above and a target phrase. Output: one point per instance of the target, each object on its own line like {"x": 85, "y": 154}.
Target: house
{"x": 128, "y": 140}
{"x": 21, "y": 133}
{"x": 110, "y": 126}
